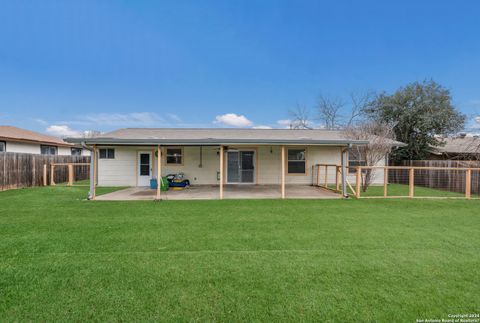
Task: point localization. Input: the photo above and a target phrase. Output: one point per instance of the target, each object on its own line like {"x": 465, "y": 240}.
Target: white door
{"x": 144, "y": 168}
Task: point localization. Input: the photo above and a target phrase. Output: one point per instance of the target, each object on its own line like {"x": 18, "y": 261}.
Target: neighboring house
{"x": 129, "y": 157}
{"x": 13, "y": 139}
{"x": 461, "y": 147}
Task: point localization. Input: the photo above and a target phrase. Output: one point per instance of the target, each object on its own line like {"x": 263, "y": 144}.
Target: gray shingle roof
{"x": 217, "y": 136}
{"x": 459, "y": 145}
{"x": 19, "y": 134}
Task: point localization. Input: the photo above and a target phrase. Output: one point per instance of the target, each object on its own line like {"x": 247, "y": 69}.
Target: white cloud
{"x": 174, "y": 117}
{"x": 41, "y": 121}
{"x": 284, "y": 122}
{"x": 138, "y": 119}
{"x": 232, "y": 119}
{"x": 261, "y": 127}
{"x": 474, "y": 124}
{"x": 62, "y": 131}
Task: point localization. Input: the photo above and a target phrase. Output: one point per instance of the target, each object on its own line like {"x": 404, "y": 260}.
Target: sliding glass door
{"x": 241, "y": 167}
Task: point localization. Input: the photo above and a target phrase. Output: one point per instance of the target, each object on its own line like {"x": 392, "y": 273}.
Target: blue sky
{"x": 70, "y": 66}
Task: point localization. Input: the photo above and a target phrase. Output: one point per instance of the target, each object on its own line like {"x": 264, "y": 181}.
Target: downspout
{"x": 92, "y": 172}
{"x": 344, "y": 170}
{"x": 201, "y": 157}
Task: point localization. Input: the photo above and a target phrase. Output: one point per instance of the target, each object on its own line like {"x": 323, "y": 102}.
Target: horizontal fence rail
{"x": 401, "y": 181}
{"x": 19, "y": 170}
{"x": 452, "y": 177}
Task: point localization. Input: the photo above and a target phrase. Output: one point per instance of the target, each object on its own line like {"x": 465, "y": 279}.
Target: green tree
{"x": 420, "y": 111}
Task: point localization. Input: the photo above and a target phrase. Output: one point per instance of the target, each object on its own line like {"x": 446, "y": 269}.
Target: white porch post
{"x": 283, "y": 172}
{"x": 344, "y": 159}
{"x": 159, "y": 171}
{"x": 93, "y": 173}
{"x": 221, "y": 172}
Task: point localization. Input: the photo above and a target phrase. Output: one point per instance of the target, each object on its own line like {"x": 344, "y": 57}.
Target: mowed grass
{"x": 66, "y": 259}
{"x": 403, "y": 190}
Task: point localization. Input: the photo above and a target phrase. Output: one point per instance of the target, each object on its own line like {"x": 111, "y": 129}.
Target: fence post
{"x": 4, "y": 172}
{"x": 337, "y": 179}
{"x": 45, "y": 175}
{"x": 33, "y": 171}
{"x": 411, "y": 182}
{"x": 468, "y": 183}
{"x": 385, "y": 181}
{"x": 326, "y": 175}
{"x": 313, "y": 175}
{"x": 318, "y": 175}
{"x": 52, "y": 171}
{"x": 358, "y": 182}
{"x": 70, "y": 175}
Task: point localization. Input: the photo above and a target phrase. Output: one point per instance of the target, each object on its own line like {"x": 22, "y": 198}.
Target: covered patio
{"x": 251, "y": 189}
{"x": 219, "y": 163}
{"x": 210, "y": 192}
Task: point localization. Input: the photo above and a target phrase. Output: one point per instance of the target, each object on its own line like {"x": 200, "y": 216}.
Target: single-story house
{"x": 17, "y": 140}
{"x": 461, "y": 147}
{"x": 222, "y": 158}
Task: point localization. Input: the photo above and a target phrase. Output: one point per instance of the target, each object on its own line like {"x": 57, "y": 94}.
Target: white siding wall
{"x": 122, "y": 171}
{"x": 30, "y": 148}
{"x": 377, "y": 175}
{"x": 64, "y": 151}
{"x": 21, "y": 147}
{"x": 206, "y": 174}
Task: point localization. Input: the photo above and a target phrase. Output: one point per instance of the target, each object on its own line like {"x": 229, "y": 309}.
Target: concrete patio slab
{"x": 211, "y": 192}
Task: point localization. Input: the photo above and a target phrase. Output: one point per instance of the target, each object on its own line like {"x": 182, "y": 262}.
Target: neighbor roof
{"x": 11, "y": 133}
{"x": 459, "y": 145}
{"x": 216, "y": 136}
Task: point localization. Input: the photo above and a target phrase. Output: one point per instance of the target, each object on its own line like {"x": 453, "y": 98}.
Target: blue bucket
{"x": 153, "y": 183}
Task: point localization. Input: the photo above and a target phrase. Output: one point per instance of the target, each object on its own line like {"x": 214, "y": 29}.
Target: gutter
{"x": 213, "y": 142}
{"x": 39, "y": 142}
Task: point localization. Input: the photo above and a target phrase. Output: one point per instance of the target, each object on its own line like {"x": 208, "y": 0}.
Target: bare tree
{"x": 380, "y": 137}
{"x": 300, "y": 118}
{"x": 473, "y": 149}
{"x": 328, "y": 110}
{"x": 91, "y": 133}
{"x": 360, "y": 102}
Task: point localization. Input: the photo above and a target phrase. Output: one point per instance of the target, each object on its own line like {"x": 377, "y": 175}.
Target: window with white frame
{"x": 296, "y": 163}
{"x": 106, "y": 153}
{"x": 76, "y": 151}
{"x": 3, "y": 146}
{"x": 174, "y": 156}
{"x": 355, "y": 159}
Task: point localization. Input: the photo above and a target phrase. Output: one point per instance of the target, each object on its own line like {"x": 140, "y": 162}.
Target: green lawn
{"x": 402, "y": 190}
{"x": 83, "y": 182}
{"x": 63, "y": 258}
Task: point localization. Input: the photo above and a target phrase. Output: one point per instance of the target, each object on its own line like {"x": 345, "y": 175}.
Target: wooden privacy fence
{"x": 432, "y": 181}
{"x": 26, "y": 170}
{"x": 71, "y": 175}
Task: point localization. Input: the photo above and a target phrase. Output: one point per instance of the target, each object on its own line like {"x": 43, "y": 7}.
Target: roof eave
{"x": 210, "y": 142}
{"x": 40, "y": 142}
